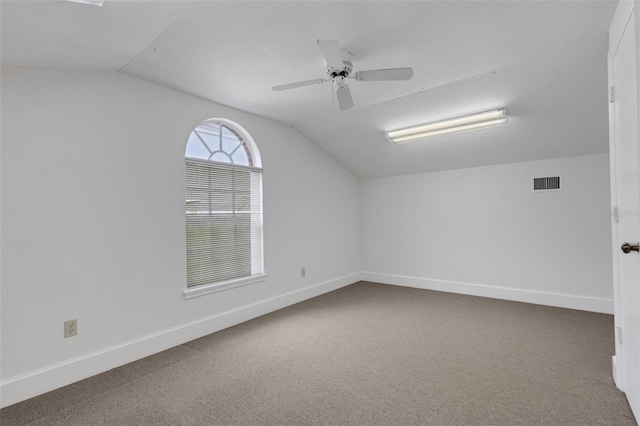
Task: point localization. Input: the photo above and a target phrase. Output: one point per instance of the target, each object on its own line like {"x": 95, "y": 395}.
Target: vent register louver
{"x": 551, "y": 183}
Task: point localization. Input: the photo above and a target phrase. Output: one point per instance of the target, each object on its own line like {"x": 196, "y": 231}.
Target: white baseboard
{"x": 614, "y": 370}
{"x": 591, "y": 304}
{"x": 43, "y": 380}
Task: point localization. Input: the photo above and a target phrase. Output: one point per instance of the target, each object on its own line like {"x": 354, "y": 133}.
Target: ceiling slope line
{"x": 166, "y": 25}
{"x": 454, "y": 83}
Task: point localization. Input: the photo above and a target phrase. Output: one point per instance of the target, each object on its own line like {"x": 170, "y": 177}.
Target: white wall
{"x": 93, "y": 224}
{"x": 482, "y": 231}
{"x": 93, "y": 227}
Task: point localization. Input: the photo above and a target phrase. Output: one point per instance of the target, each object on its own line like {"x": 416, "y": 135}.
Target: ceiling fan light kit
{"x": 339, "y": 66}
{"x": 459, "y": 124}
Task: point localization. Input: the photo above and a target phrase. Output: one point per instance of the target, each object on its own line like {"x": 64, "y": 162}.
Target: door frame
{"x": 623, "y": 15}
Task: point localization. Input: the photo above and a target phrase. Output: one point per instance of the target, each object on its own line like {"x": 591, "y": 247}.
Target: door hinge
{"x": 619, "y": 333}
{"x": 612, "y": 94}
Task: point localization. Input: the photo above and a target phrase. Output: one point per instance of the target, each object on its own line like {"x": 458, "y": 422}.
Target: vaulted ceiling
{"x": 545, "y": 61}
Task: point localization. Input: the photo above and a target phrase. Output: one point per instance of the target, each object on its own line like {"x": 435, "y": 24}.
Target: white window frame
{"x": 254, "y": 167}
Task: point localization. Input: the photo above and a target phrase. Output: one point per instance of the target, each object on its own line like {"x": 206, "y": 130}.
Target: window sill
{"x": 202, "y": 290}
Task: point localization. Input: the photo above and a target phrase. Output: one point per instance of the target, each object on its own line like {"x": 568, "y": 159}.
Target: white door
{"x": 625, "y": 193}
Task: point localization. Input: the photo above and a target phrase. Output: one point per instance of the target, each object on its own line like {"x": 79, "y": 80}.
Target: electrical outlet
{"x": 303, "y": 272}
{"x": 70, "y": 328}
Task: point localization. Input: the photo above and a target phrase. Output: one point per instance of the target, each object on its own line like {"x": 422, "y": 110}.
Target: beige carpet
{"x": 367, "y": 354}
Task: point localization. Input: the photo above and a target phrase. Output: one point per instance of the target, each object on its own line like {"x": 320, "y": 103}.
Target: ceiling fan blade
{"x": 331, "y": 52}
{"x": 299, "y": 84}
{"x": 384, "y": 75}
{"x": 344, "y": 96}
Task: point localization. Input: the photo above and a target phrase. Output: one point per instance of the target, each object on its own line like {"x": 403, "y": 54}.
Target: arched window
{"x": 223, "y": 188}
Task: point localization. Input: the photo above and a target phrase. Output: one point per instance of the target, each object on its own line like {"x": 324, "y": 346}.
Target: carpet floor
{"x": 367, "y": 354}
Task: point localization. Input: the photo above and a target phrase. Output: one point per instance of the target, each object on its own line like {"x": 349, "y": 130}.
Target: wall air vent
{"x": 552, "y": 183}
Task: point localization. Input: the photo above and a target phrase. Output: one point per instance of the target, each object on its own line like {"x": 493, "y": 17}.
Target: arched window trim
{"x": 245, "y": 141}
{"x": 210, "y": 166}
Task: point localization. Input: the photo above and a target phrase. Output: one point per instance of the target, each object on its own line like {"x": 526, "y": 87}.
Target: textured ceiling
{"x": 544, "y": 61}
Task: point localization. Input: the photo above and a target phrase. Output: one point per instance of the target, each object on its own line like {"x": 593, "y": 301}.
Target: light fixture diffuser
{"x": 91, "y": 2}
{"x": 458, "y": 124}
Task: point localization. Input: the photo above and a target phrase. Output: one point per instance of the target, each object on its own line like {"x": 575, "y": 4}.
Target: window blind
{"x": 224, "y": 222}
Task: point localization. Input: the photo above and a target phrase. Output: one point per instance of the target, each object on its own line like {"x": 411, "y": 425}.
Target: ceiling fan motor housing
{"x": 345, "y": 71}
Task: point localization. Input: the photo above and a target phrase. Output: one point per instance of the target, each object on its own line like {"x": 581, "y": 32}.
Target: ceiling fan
{"x": 340, "y": 67}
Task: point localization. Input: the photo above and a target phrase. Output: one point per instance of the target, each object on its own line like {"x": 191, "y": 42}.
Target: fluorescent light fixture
{"x": 459, "y": 124}
{"x": 92, "y": 2}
